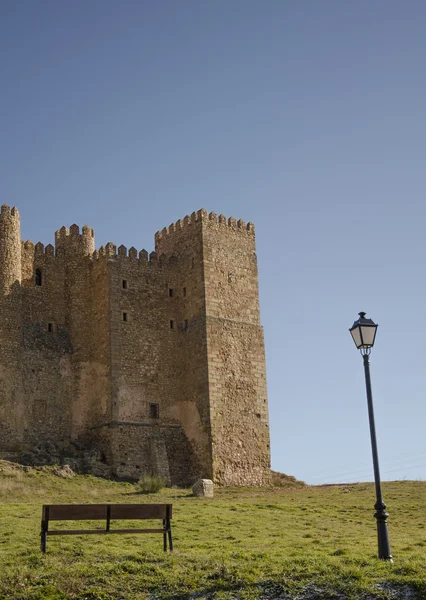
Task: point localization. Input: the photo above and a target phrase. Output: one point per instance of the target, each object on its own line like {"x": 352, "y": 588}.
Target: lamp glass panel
{"x": 368, "y": 335}
{"x": 356, "y": 335}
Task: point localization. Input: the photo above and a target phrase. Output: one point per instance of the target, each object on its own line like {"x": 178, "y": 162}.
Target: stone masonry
{"x": 152, "y": 364}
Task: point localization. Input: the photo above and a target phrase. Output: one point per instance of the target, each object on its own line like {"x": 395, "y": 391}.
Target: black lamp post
{"x": 363, "y": 333}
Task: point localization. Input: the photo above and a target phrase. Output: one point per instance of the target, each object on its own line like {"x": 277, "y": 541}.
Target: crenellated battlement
{"x": 72, "y": 241}
{"x": 182, "y": 224}
{"x": 37, "y": 250}
{"x": 64, "y": 234}
{"x": 110, "y": 251}
{"x": 7, "y": 212}
{"x": 10, "y": 247}
{"x": 10, "y": 223}
{"x": 201, "y": 216}
{"x": 231, "y": 222}
{"x": 132, "y": 253}
{"x": 41, "y": 250}
{"x": 61, "y": 234}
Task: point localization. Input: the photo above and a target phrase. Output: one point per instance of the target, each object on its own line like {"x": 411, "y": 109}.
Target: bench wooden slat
{"x": 77, "y": 512}
{"x": 75, "y": 531}
{"x": 100, "y": 531}
{"x": 87, "y": 512}
{"x": 137, "y": 531}
{"x": 140, "y": 511}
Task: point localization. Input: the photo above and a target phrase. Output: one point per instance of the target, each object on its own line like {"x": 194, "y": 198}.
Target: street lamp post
{"x": 363, "y": 333}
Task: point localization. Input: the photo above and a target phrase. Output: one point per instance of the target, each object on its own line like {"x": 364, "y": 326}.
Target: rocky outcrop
{"x": 68, "y": 454}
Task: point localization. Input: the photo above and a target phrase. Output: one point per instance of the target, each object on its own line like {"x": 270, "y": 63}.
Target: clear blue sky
{"x": 307, "y": 118}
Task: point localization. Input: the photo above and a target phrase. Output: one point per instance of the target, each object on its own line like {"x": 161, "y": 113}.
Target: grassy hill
{"x": 284, "y": 542}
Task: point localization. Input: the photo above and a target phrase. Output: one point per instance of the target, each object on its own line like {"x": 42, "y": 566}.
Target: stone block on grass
{"x": 203, "y": 488}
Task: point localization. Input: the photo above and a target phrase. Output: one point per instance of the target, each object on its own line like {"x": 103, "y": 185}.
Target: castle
{"x": 154, "y": 362}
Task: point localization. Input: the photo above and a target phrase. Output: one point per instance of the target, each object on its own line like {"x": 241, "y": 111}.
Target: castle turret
{"x": 71, "y": 241}
{"x": 10, "y": 327}
{"x": 10, "y": 249}
{"x": 76, "y": 249}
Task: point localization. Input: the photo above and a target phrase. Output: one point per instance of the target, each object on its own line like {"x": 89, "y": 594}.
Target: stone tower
{"x": 11, "y": 406}
{"x": 224, "y": 326}
{"x": 155, "y": 363}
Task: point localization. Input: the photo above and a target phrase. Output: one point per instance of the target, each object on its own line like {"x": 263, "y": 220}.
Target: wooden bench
{"x": 107, "y": 512}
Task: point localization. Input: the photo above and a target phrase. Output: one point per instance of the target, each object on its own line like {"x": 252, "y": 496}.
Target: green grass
{"x": 244, "y": 543}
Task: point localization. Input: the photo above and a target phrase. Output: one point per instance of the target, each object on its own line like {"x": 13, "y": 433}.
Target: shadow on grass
{"x": 214, "y": 589}
{"x": 265, "y": 590}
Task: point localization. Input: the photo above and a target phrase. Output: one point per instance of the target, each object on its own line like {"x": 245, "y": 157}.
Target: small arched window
{"x": 38, "y": 277}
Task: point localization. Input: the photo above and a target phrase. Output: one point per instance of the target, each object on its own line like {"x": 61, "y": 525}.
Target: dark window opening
{"x": 154, "y": 411}
{"x": 38, "y": 277}
{"x": 185, "y": 324}
{"x": 193, "y": 262}
{"x": 171, "y": 292}
{"x": 124, "y": 284}
{"x": 172, "y": 324}
{"x": 184, "y": 291}
{"x": 50, "y": 327}
{"x": 124, "y": 317}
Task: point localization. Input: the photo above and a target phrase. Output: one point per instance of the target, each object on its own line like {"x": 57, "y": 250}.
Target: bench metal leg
{"x": 44, "y": 528}
{"x": 169, "y": 533}
{"x": 43, "y": 535}
{"x": 164, "y": 536}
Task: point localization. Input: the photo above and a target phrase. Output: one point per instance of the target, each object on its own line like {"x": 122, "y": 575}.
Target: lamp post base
{"x": 382, "y": 531}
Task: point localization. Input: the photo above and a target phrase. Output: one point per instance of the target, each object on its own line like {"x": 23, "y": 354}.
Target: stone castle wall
{"x": 155, "y": 363}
